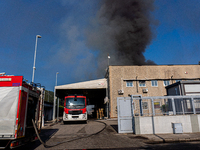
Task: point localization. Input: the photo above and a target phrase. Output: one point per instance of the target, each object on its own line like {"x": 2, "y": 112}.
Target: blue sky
{"x": 63, "y": 47}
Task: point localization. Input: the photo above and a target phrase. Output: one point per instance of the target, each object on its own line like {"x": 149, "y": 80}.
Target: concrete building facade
{"x": 145, "y": 81}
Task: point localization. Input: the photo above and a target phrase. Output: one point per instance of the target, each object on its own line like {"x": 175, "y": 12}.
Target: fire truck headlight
{"x": 66, "y": 116}
{"x": 84, "y": 115}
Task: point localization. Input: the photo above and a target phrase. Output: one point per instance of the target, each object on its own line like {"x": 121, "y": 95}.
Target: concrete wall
{"x": 163, "y": 124}
{"x": 118, "y": 75}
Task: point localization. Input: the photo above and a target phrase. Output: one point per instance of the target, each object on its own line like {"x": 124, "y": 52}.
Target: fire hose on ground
{"x": 45, "y": 145}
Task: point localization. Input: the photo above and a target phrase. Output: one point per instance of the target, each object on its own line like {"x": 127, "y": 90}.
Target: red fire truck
{"x": 75, "y": 108}
{"x": 20, "y": 102}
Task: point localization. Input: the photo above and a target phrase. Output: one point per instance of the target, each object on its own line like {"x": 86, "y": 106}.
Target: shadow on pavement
{"x": 73, "y": 122}
{"x": 174, "y": 146}
{"x": 45, "y": 135}
{"x": 115, "y": 127}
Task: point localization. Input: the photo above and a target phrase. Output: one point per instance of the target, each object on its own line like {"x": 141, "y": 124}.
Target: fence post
{"x": 193, "y": 108}
{"x": 132, "y": 113}
{"x": 173, "y": 107}
{"x": 152, "y": 104}
{"x": 183, "y": 109}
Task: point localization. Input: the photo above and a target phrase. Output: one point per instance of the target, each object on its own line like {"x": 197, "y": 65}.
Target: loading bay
{"x": 95, "y": 92}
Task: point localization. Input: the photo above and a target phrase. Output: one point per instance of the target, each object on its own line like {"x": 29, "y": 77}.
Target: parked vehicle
{"x": 20, "y": 102}
{"x": 75, "y": 108}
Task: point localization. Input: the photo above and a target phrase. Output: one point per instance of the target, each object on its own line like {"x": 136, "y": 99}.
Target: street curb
{"x": 54, "y": 123}
{"x": 51, "y": 124}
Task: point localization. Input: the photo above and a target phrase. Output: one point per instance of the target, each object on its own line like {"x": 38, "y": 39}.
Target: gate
{"x": 131, "y": 108}
{"x": 125, "y": 115}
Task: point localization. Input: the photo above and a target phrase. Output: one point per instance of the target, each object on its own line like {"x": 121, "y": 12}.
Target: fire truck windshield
{"x": 72, "y": 103}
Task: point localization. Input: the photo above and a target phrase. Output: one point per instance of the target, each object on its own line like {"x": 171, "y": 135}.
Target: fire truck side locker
{"x": 18, "y": 106}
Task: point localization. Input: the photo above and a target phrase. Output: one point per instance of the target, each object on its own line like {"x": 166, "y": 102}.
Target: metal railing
{"x": 165, "y": 105}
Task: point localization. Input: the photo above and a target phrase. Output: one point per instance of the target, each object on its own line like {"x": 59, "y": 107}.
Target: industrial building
{"x": 185, "y": 88}
{"x": 123, "y": 81}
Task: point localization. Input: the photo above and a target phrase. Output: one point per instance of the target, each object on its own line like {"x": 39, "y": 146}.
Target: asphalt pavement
{"x": 57, "y": 135}
{"x": 151, "y": 138}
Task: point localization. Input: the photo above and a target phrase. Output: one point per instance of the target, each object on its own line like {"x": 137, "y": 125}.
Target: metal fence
{"x": 165, "y": 105}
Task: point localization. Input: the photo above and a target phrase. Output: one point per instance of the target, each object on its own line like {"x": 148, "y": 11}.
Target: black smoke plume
{"x": 122, "y": 29}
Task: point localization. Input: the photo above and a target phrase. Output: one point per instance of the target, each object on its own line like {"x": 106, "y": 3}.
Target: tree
{"x": 49, "y": 96}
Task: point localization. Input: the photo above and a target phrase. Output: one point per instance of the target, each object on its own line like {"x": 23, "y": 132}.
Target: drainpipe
{"x": 171, "y": 79}
{"x": 136, "y": 84}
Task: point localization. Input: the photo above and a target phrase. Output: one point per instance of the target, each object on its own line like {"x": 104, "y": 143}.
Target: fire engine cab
{"x": 75, "y": 108}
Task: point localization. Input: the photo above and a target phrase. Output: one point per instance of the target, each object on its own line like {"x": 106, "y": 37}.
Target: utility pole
{"x": 107, "y": 88}
{"x": 37, "y": 36}
{"x": 54, "y": 104}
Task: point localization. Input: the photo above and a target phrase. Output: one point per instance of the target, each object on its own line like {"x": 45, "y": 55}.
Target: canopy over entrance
{"x": 80, "y": 88}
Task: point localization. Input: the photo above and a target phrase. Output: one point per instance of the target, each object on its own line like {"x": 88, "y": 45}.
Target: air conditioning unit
{"x": 144, "y": 90}
{"x": 120, "y": 92}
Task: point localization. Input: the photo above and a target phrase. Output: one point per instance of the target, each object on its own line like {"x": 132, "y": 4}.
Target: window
{"x": 144, "y": 105}
{"x": 72, "y": 103}
{"x": 197, "y": 103}
{"x": 142, "y": 83}
{"x": 178, "y": 80}
{"x": 154, "y": 83}
{"x": 156, "y": 105}
{"x": 129, "y": 83}
{"x": 166, "y": 82}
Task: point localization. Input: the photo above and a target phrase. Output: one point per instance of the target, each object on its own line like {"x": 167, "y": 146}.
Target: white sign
{"x": 5, "y": 79}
